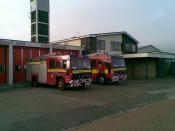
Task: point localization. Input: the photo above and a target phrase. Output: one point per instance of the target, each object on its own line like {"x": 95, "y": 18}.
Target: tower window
{"x": 43, "y": 16}
{"x": 43, "y": 29}
{"x": 33, "y": 29}
{"x": 33, "y": 16}
{"x": 42, "y": 39}
{"x": 33, "y": 39}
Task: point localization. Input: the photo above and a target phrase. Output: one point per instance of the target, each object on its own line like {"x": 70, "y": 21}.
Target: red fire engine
{"x": 107, "y": 68}
{"x": 62, "y": 71}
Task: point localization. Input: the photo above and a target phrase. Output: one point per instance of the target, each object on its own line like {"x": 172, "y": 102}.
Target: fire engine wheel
{"x": 34, "y": 82}
{"x": 60, "y": 84}
{"x": 101, "y": 80}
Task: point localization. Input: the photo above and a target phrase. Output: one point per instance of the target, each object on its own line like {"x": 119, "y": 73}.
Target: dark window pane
{"x": 2, "y": 68}
{"x": 33, "y": 39}
{"x": 17, "y": 68}
{"x": 130, "y": 47}
{"x": 43, "y": 16}
{"x": 33, "y": 29}
{"x": 33, "y": 16}
{"x": 43, "y": 39}
{"x": 43, "y": 29}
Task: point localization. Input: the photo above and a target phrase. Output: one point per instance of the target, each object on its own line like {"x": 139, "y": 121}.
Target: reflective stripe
{"x": 57, "y": 70}
{"x": 94, "y": 71}
{"x": 37, "y": 62}
{"x": 106, "y": 71}
{"x": 118, "y": 69}
{"x": 80, "y": 71}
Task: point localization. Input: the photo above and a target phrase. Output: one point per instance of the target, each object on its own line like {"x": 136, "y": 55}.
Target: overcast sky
{"x": 149, "y": 21}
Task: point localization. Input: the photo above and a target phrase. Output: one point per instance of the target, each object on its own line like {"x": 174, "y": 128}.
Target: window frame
{"x": 101, "y": 45}
{"x": 115, "y": 46}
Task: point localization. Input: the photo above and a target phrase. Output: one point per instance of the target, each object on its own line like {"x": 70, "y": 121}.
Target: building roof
{"x": 148, "y": 48}
{"x": 6, "y": 42}
{"x": 98, "y": 34}
{"x": 151, "y": 55}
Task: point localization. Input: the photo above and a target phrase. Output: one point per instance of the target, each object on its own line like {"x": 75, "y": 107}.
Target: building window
{"x": 33, "y": 39}
{"x": 43, "y": 16}
{"x": 100, "y": 44}
{"x": 130, "y": 47}
{"x": 115, "y": 46}
{"x": 33, "y": 29}
{"x": 43, "y": 39}
{"x": 2, "y": 68}
{"x": 33, "y": 16}
{"x": 43, "y": 29}
{"x": 17, "y": 68}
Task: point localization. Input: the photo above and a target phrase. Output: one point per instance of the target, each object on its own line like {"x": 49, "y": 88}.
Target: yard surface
{"x": 131, "y": 105}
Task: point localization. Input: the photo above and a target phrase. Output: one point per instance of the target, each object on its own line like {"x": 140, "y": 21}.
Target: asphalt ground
{"x": 49, "y": 109}
{"x": 154, "y": 117}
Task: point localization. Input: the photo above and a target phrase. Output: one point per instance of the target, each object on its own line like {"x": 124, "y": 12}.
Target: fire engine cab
{"x": 107, "y": 68}
{"x": 62, "y": 71}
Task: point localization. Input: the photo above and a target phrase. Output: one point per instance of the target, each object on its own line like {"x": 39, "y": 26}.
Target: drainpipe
{"x": 10, "y": 64}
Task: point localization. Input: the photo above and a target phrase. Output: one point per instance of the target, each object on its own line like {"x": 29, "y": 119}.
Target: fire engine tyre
{"x": 60, "y": 84}
{"x": 34, "y": 82}
{"x": 101, "y": 80}
{"x": 116, "y": 82}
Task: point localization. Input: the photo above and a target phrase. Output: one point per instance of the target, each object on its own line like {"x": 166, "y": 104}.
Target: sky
{"x": 151, "y": 22}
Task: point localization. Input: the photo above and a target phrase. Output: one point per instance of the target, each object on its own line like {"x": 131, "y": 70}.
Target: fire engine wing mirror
{"x": 108, "y": 64}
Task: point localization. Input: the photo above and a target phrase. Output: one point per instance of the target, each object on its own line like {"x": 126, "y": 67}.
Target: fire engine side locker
{"x": 42, "y": 73}
{"x": 38, "y": 70}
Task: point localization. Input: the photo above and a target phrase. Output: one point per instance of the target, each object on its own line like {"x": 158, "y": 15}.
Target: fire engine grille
{"x": 81, "y": 76}
{"x": 120, "y": 73}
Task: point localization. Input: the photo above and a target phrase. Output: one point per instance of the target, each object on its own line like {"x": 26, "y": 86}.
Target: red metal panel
{"x": 26, "y": 58}
{"x": 2, "y": 63}
{"x": 26, "y": 55}
{"x": 55, "y": 51}
{"x": 7, "y": 64}
{"x": 44, "y": 51}
{"x": 18, "y": 65}
{"x": 35, "y": 52}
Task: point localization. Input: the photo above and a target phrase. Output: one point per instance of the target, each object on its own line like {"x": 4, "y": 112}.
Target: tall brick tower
{"x": 40, "y": 20}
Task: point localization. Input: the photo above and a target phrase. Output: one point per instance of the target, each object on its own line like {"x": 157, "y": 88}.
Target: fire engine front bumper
{"x": 81, "y": 82}
{"x": 118, "y": 78}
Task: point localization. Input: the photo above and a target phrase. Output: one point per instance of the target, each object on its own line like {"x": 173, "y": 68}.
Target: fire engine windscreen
{"x": 80, "y": 64}
{"x": 118, "y": 62}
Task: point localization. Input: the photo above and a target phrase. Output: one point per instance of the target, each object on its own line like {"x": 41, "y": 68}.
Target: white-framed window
{"x": 101, "y": 45}
{"x": 115, "y": 46}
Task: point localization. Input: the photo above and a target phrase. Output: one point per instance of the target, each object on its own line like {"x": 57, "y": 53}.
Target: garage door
{"x": 2, "y": 66}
